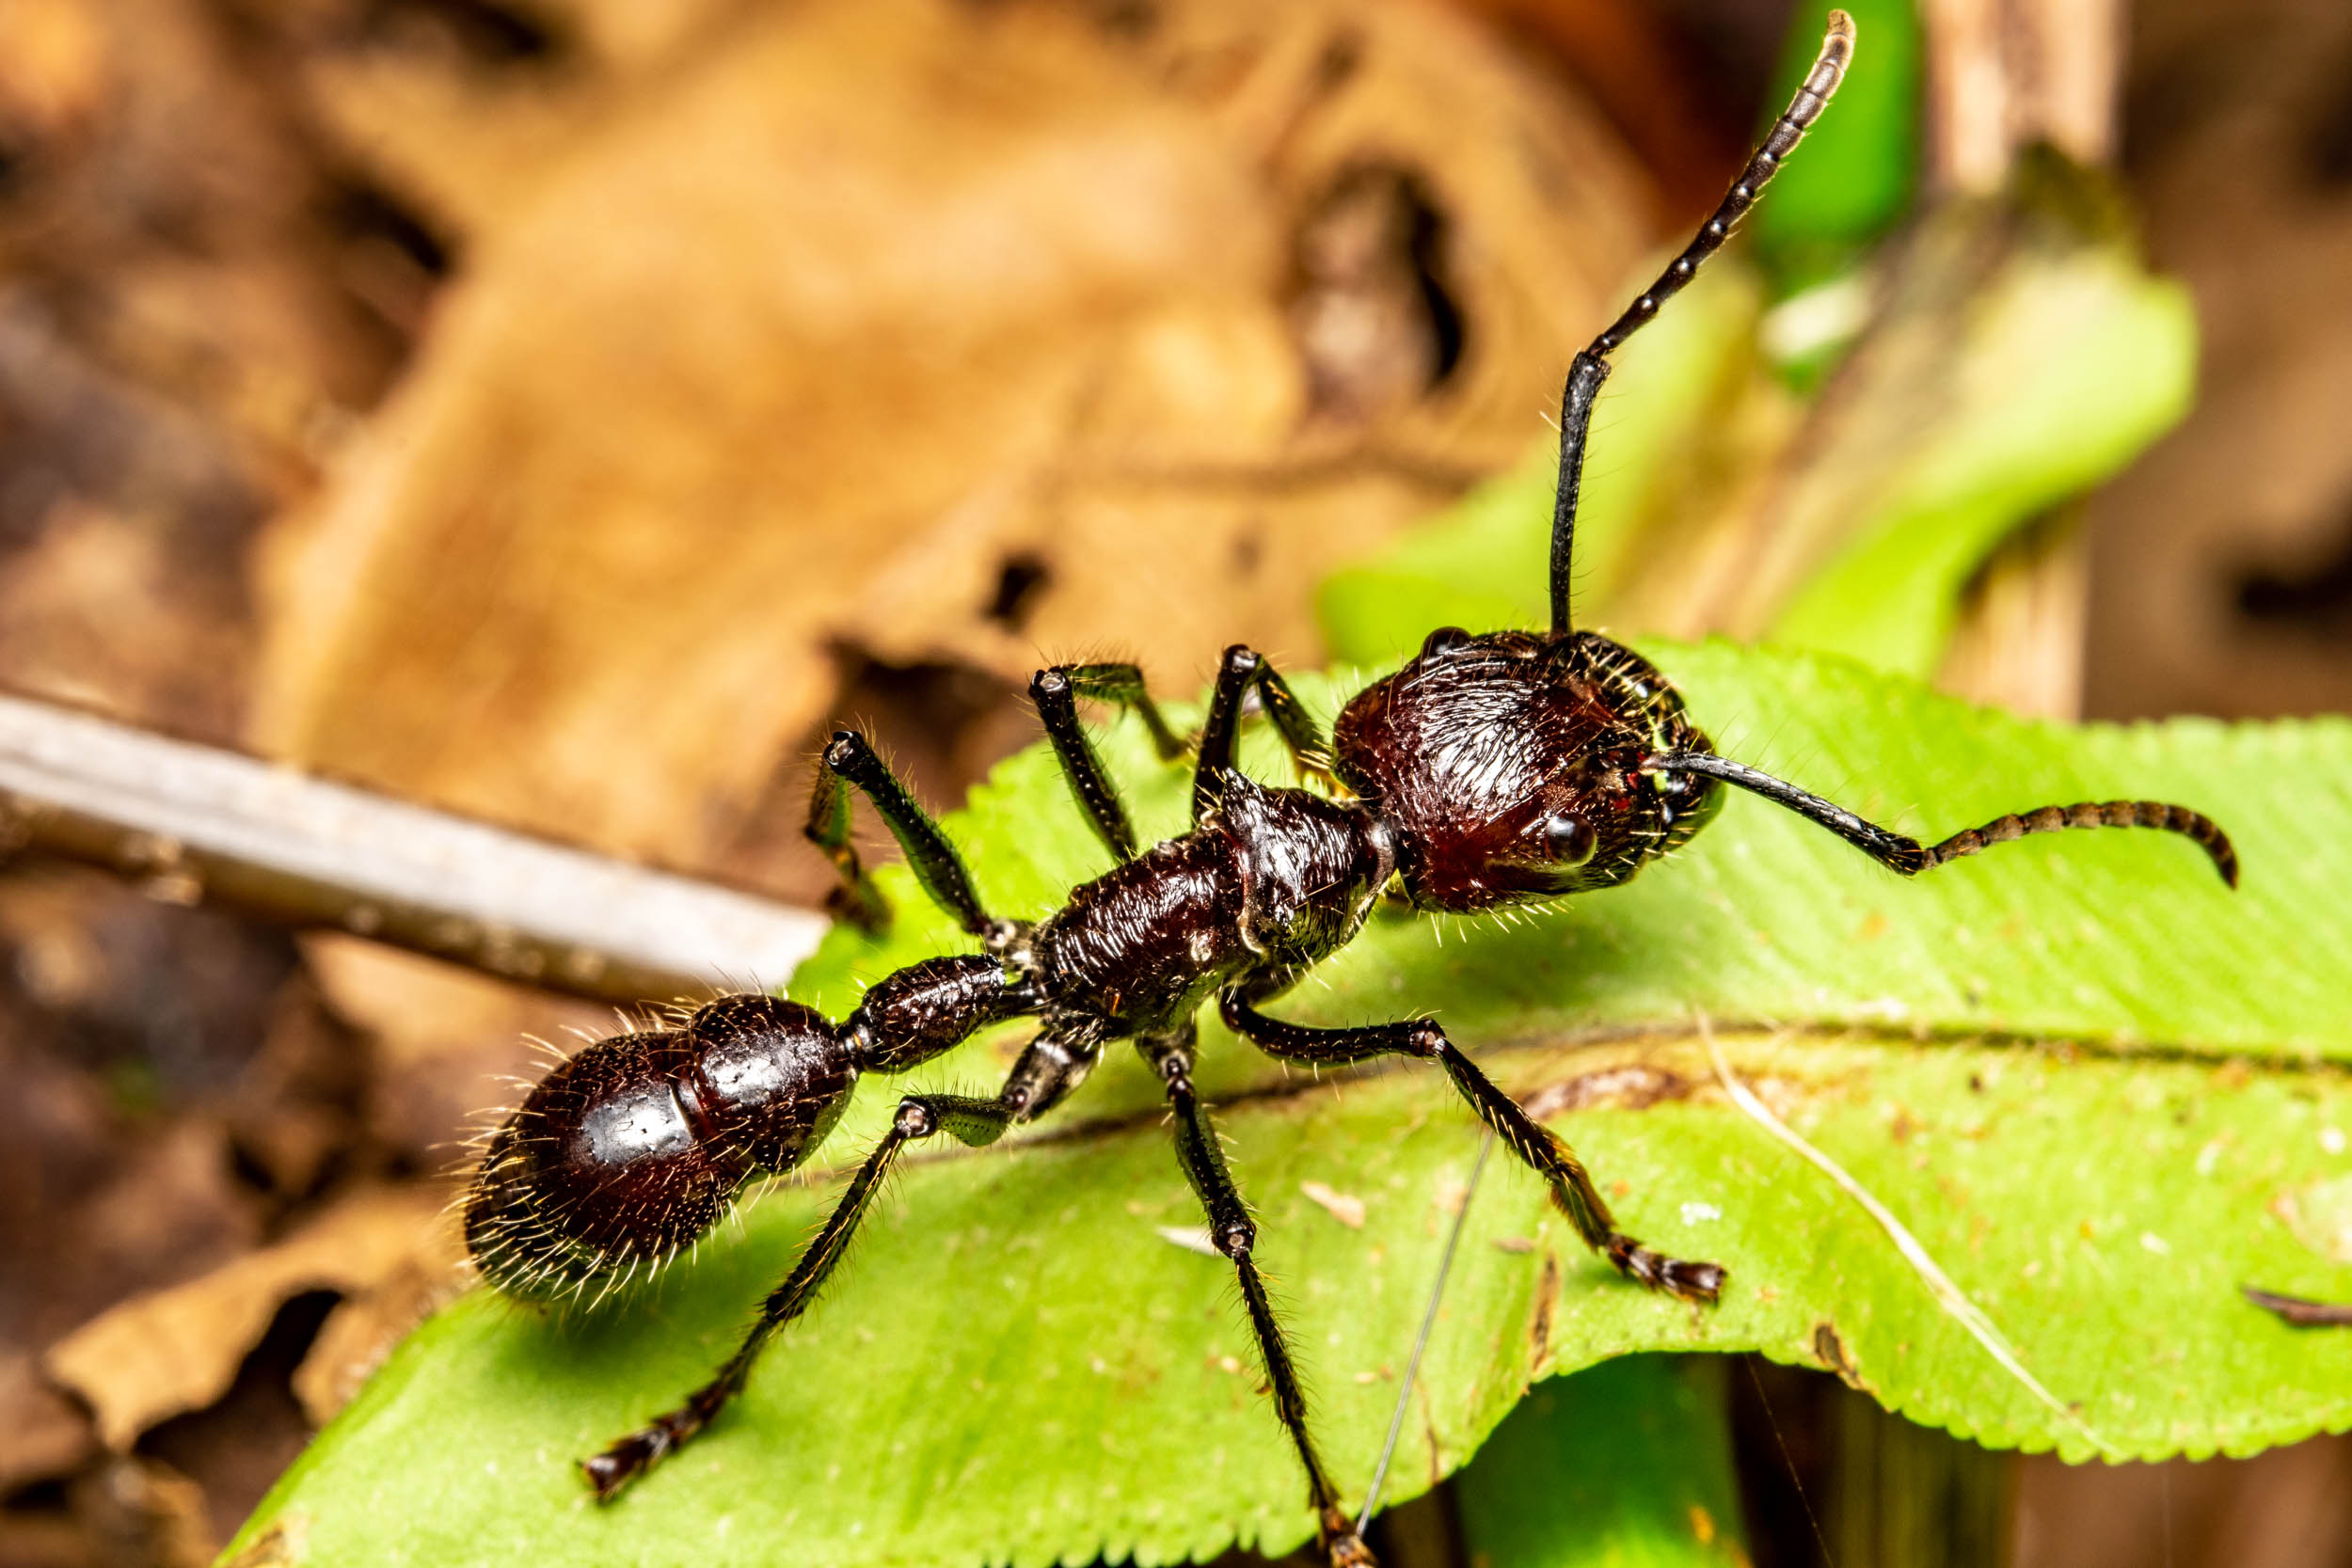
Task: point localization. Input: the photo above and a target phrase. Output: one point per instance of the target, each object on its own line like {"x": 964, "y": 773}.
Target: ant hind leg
{"x": 1537, "y": 1146}
{"x": 1052, "y": 1066}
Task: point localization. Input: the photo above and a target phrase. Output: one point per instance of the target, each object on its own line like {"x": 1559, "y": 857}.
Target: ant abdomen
{"x": 636, "y": 1146}
{"x": 771, "y": 1076}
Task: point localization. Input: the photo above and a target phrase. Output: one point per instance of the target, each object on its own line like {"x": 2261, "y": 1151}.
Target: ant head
{"x": 1509, "y": 767}
{"x": 1513, "y": 766}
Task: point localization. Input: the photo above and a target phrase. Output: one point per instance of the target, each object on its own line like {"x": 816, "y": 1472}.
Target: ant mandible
{"x": 1488, "y": 771}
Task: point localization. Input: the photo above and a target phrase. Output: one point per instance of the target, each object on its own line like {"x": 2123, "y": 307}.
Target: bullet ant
{"x": 1488, "y": 771}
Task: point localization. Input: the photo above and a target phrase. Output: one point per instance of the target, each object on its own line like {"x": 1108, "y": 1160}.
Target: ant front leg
{"x": 1051, "y": 1067}
{"x": 1537, "y": 1146}
{"x": 1236, "y": 1235}
{"x": 850, "y": 759}
{"x": 1244, "y": 671}
{"x": 1057, "y": 691}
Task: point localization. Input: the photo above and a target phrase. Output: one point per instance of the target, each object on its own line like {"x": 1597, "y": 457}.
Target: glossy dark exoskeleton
{"x": 1490, "y": 769}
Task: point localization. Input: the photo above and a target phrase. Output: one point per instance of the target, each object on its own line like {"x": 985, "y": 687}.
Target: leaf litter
{"x": 829, "y": 393}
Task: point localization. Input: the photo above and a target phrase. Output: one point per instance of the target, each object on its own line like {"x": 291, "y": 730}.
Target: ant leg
{"x": 1057, "y": 691}
{"x": 972, "y": 1121}
{"x": 1235, "y": 1235}
{"x": 1537, "y": 1146}
{"x": 848, "y": 759}
{"x": 1590, "y": 368}
{"x": 1047, "y": 1071}
{"x": 1243, "y": 672}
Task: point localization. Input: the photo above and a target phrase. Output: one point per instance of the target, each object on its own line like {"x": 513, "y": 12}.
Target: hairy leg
{"x": 1049, "y": 1068}
{"x": 1243, "y": 672}
{"x": 1537, "y": 1146}
{"x": 848, "y": 760}
{"x": 1235, "y": 1235}
{"x": 1057, "y": 692}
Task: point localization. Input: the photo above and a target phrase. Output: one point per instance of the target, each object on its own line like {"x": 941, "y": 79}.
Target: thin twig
{"x": 2299, "y": 1311}
{"x": 195, "y": 823}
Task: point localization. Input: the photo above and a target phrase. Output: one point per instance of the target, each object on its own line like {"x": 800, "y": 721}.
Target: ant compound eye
{"x": 1570, "y": 840}
{"x": 1445, "y": 640}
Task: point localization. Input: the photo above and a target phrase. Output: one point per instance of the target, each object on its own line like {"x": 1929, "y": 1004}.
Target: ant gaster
{"x": 1488, "y": 771}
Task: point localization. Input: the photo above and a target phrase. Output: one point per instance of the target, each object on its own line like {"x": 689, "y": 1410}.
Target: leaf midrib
{"x": 1732, "y": 1033}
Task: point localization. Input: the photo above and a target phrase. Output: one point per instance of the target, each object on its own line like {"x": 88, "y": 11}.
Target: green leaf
{"x": 2063, "y": 370}
{"x": 1016, "y": 1366}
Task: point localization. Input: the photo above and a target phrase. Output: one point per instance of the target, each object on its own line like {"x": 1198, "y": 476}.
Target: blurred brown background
{"x": 565, "y": 412}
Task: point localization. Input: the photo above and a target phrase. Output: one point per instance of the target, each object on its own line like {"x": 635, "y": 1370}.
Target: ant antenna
{"x": 1591, "y": 366}
{"x": 1421, "y": 1341}
{"x": 1910, "y": 857}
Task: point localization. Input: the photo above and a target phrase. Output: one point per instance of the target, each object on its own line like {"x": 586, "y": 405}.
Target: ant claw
{"x": 624, "y": 1460}
{"x": 1700, "y": 1282}
{"x": 1686, "y": 1281}
{"x": 1341, "y": 1546}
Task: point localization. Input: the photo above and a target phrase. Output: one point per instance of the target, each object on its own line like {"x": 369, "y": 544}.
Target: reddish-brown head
{"x": 1509, "y": 766}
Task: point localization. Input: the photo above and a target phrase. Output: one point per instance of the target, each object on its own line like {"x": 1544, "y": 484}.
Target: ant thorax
{"x": 1272, "y": 880}
{"x": 1510, "y": 767}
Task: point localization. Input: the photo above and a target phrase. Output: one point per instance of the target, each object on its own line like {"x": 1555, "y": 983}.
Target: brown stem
{"x": 2003, "y": 74}
{"x": 193, "y": 822}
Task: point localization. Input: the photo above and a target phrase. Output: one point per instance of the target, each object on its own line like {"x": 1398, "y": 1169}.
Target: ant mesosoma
{"x": 1488, "y": 771}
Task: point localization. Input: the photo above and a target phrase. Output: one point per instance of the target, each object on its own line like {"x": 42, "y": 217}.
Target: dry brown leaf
{"x": 48, "y": 1434}
{"x": 468, "y": 153}
{"x": 362, "y": 1330}
{"x": 52, "y": 65}
{"x": 652, "y": 377}
{"x": 827, "y": 326}
{"x": 175, "y": 1209}
{"x": 64, "y": 602}
{"x": 136, "y": 1510}
{"x": 157, "y": 1355}
{"x": 172, "y": 220}
{"x": 468, "y": 139}
{"x": 1346, "y": 1208}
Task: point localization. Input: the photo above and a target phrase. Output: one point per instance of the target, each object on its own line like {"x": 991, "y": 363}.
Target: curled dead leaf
{"x": 48, "y": 1434}
{"x": 177, "y": 1350}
